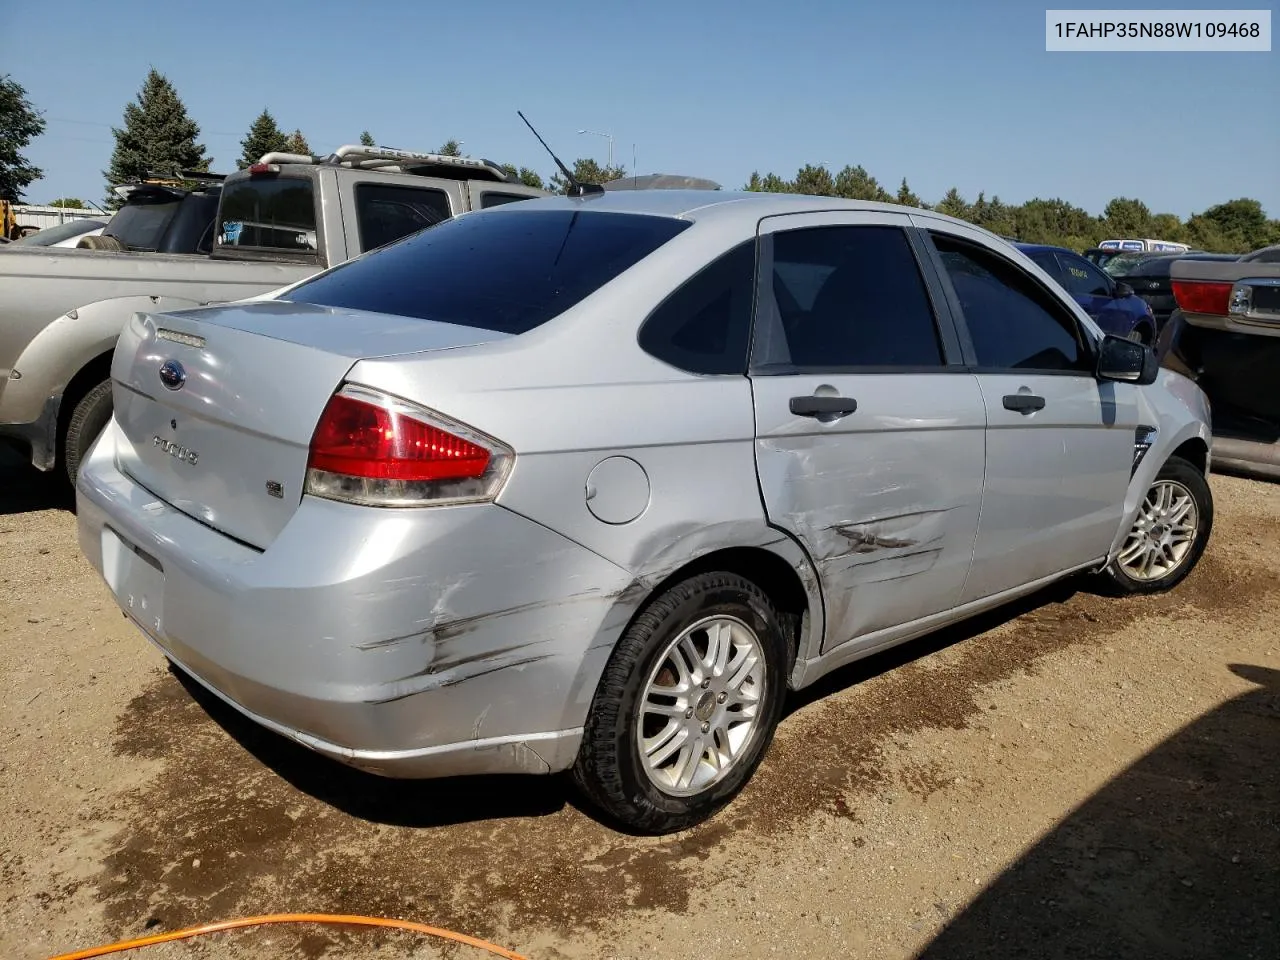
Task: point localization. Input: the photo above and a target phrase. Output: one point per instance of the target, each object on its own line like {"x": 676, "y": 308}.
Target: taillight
{"x": 377, "y": 449}
{"x": 257, "y": 169}
{"x": 1202, "y": 296}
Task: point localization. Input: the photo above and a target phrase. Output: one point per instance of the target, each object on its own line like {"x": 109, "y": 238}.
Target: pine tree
{"x": 263, "y": 137}
{"x": 451, "y": 148}
{"x": 157, "y": 137}
{"x": 366, "y": 139}
{"x": 906, "y": 196}
{"x": 297, "y": 143}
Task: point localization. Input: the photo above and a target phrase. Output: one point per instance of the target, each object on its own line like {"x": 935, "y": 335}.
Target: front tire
{"x": 687, "y": 705}
{"x": 88, "y": 418}
{"x": 1169, "y": 534}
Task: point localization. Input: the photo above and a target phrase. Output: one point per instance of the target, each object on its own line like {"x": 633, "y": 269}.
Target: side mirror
{"x": 1126, "y": 361}
{"x": 1123, "y": 290}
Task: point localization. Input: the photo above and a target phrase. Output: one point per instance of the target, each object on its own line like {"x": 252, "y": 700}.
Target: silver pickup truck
{"x": 1226, "y": 335}
{"x": 280, "y": 221}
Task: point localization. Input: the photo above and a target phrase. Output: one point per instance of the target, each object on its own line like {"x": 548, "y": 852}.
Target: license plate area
{"x": 136, "y": 578}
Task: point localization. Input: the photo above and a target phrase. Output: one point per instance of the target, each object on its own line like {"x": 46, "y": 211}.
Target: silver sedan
{"x": 591, "y": 484}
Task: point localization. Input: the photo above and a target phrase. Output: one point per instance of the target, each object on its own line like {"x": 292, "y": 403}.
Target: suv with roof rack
{"x": 285, "y": 218}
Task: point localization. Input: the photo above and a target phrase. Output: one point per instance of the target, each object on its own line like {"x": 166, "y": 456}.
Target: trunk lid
{"x": 224, "y": 434}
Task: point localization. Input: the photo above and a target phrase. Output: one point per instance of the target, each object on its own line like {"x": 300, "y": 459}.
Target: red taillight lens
{"x": 361, "y": 439}
{"x": 1202, "y": 296}
{"x": 372, "y": 448}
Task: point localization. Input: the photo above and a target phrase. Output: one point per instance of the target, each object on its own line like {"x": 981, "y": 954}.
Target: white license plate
{"x": 137, "y": 581}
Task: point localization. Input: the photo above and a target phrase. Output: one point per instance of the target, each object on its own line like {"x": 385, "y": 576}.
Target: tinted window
{"x": 491, "y": 199}
{"x": 508, "y": 273}
{"x": 1047, "y": 262}
{"x": 1013, "y": 322}
{"x": 275, "y": 214}
{"x": 1082, "y": 278}
{"x": 140, "y": 224}
{"x": 385, "y": 214}
{"x": 846, "y": 297}
{"x": 704, "y": 326}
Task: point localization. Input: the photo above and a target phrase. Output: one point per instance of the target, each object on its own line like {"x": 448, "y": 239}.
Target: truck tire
{"x": 100, "y": 242}
{"x": 88, "y": 417}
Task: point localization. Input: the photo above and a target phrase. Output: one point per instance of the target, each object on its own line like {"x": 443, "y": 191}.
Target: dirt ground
{"x": 1074, "y": 777}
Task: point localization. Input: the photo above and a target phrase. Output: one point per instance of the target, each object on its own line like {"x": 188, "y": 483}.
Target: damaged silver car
{"x": 591, "y": 483}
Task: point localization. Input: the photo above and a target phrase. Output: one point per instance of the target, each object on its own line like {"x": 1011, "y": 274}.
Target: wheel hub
{"x": 706, "y": 706}
{"x": 1163, "y": 532}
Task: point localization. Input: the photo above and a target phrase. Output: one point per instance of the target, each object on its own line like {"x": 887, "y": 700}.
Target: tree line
{"x": 159, "y": 136}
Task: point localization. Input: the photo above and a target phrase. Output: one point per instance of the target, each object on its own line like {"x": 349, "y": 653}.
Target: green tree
{"x": 769, "y": 183}
{"x": 586, "y": 170}
{"x": 69, "y": 203}
{"x": 19, "y": 125}
{"x": 814, "y": 181}
{"x": 854, "y": 183}
{"x": 450, "y": 148}
{"x": 263, "y": 137}
{"x": 366, "y": 139}
{"x": 157, "y": 137}
{"x": 526, "y": 176}
{"x": 1125, "y": 217}
{"x": 906, "y": 196}
{"x": 1241, "y": 223}
{"x": 297, "y": 143}
{"x": 1167, "y": 226}
{"x": 953, "y": 205}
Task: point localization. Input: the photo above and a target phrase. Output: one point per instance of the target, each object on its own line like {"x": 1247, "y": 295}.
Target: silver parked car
{"x": 590, "y": 484}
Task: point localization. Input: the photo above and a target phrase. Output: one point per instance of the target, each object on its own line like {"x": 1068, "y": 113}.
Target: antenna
{"x": 576, "y": 189}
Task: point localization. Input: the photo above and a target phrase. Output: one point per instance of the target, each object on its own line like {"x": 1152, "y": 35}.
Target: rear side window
{"x": 1013, "y": 322}
{"x": 510, "y": 273}
{"x": 705, "y": 326}
{"x": 845, "y": 296}
{"x": 140, "y": 224}
{"x": 384, "y": 214}
{"x": 276, "y": 215}
{"x": 492, "y": 199}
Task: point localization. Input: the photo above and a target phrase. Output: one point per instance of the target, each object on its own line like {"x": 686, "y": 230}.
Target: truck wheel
{"x": 100, "y": 242}
{"x": 687, "y": 705}
{"x": 88, "y": 417}
{"x": 1168, "y": 535}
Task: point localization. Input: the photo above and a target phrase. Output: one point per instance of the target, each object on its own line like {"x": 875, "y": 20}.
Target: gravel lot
{"x": 1075, "y": 777}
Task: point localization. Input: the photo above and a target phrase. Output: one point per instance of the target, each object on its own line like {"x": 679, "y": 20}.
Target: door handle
{"x": 811, "y": 406}
{"x": 1023, "y": 403}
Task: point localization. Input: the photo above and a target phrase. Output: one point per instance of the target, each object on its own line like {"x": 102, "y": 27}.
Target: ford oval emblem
{"x": 172, "y": 374}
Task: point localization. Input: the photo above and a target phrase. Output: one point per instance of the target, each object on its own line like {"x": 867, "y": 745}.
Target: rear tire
{"x": 88, "y": 418}
{"x": 1169, "y": 535}
{"x": 722, "y": 707}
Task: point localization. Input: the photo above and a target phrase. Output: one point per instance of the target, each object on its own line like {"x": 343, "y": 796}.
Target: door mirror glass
{"x": 1126, "y": 360}
{"x": 1123, "y": 290}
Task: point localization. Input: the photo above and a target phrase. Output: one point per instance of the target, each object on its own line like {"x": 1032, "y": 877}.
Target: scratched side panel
{"x": 886, "y": 500}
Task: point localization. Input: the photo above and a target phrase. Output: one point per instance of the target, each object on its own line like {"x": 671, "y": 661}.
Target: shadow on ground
{"x": 24, "y": 488}
{"x": 1179, "y": 856}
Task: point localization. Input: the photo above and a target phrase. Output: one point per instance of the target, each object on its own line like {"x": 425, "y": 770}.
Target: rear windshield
{"x": 55, "y": 234}
{"x": 140, "y": 223}
{"x": 268, "y": 214}
{"x": 508, "y": 272}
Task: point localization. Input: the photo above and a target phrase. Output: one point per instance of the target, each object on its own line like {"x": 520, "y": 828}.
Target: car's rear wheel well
{"x": 772, "y": 574}
{"x": 1196, "y": 452}
{"x": 91, "y": 374}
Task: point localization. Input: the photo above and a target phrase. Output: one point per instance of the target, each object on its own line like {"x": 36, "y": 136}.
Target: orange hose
{"x": 333, "y": 918}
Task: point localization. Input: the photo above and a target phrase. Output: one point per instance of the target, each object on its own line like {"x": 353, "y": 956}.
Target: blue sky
{"x": 944, "y": 93}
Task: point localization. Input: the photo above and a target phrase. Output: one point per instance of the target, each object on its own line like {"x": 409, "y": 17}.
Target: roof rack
{"x": 398, "y": 161}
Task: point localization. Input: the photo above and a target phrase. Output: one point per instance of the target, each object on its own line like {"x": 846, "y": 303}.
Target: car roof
{"x": 1041, "y": 247}
{"x": 714, "y": 205}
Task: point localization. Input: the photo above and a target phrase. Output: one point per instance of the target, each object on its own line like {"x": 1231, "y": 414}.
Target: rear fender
{"x": 69, "y": 344}
{"x": 673, "y": 551}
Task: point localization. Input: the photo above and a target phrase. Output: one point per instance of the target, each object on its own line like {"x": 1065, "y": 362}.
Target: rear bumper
{"x": 412, "y": 643}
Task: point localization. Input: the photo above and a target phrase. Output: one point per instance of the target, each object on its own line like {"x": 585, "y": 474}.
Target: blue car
{"x": 1112, "y": 303}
